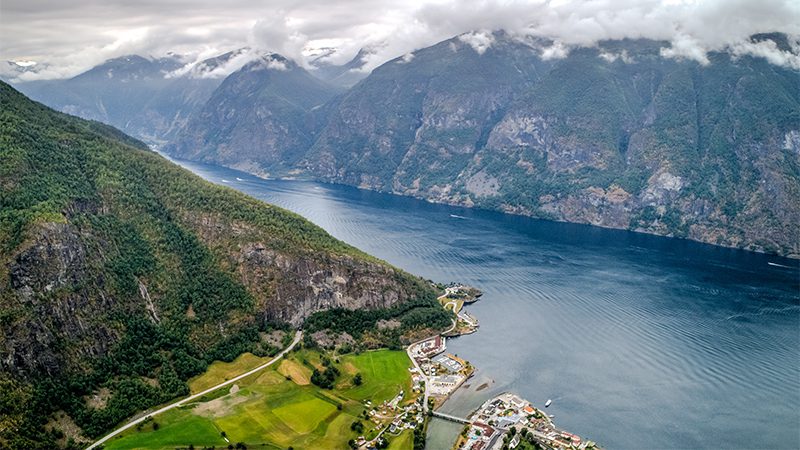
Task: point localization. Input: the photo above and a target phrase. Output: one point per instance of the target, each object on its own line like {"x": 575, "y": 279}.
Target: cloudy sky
{"x": 70, "y": 37}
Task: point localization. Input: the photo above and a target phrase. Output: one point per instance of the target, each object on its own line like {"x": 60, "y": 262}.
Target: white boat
{"x": 547, "y": 403}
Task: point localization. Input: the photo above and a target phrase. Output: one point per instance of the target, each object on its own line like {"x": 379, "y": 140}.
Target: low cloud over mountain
{"x": 49, "y": 32}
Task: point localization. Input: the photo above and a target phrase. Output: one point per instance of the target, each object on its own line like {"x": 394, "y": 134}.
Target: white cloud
{"x": 480, "y": 41}
{"x": 770, "y": 51}
{"x": 275, "y": 64}
{"x": 201, "y": 69}
{"x": 686, "y": 47}
{"x": 407, "y": 58}
{"x": 611, "y": 56}
{"x": 555, "y": 51}
{"x": 69, "y": 37}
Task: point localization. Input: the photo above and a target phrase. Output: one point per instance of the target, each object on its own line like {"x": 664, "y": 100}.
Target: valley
{"x": 125, "y": 275}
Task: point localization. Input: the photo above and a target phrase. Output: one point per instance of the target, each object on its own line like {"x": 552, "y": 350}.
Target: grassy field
{"x": 177, "y": 427}
{"x": 299, "y": 373}
{"x": 278, "y": 407}
{"x": 402, "y": 442}
{"x": 222, "y": 371}
{"x": 452, "y": 304}
{"x": 383, "y": 374}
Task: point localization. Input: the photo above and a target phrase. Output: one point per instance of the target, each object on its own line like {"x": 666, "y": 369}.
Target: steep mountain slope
{"x": 262, "y": 115}
{"x": 121, "y": 275}
{"x": 421, "y": 117}
{"x": 615, "y": 136}
{"x": 131, "y": 93}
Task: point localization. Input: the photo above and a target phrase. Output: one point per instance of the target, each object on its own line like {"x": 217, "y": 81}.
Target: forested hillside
{"x": 122, "y": 275}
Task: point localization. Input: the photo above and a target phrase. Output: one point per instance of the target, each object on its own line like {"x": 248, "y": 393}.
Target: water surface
{"x": 641, "y": 341}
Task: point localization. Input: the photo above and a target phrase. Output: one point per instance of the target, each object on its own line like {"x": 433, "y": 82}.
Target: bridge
{"x": 450, "y": 418}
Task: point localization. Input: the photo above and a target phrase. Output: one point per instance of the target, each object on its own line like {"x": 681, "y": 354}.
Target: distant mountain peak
{"x": 218, "y": 66}
{"x": 342, "y": 75}
{"x": 270, "y": 61}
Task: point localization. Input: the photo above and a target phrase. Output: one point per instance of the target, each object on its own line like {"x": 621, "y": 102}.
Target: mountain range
{"x": 616, "y": 135}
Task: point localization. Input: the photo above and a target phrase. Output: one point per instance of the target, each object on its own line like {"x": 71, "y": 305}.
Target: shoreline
{"x": 791, "y": 256}
{"x": 498, "y": 420}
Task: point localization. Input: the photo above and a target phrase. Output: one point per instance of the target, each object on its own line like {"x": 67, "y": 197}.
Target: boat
{"x": 547, "y": 403}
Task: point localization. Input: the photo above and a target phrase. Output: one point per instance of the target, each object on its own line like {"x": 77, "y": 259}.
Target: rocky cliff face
{"x": 289, "y": 288}
{"x": 49, "y": 265}
{"x": 615, "y": 136}
{"x": 123, "y": 273}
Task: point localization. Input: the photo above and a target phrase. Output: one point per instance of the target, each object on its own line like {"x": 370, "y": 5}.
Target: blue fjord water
{"x": 641, "y": 341}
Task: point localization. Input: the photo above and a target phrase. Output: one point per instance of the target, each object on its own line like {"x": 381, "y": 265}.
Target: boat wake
{"x": 764, "y": 311}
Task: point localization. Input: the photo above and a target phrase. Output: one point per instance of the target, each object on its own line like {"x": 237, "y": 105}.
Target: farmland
{"x": 279, "y": 407}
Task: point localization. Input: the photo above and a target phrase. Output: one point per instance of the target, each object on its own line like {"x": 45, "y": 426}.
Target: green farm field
{"x": 272, "y": 409}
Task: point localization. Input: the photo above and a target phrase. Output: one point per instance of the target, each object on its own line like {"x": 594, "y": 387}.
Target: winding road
{"x": 133, "y": 423}
{"x": 419, "y": 369}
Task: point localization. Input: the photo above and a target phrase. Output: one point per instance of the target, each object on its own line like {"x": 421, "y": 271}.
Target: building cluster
{"x": 444, "y": 372}
{"x": 402, "y": 417}
{"x": 508, "y": 419}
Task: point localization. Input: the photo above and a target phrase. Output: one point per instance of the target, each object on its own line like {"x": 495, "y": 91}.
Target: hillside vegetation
{"x": 123, "y": 275}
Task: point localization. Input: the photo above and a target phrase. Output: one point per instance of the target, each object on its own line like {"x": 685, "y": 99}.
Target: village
{"x": 437, "y": 373}
{"x": 508, "y": 422}
{"x": 407, "y": 417}
{"x": 503, "y": 422}
{"x": 434, "y": 374}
